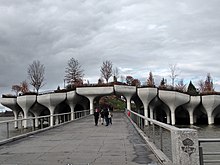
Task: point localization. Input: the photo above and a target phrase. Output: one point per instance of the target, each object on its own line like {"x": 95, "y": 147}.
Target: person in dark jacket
{"x": 102, "y": 116}
{"x": 106, "y": 116}
{"x": 96, "y": 116}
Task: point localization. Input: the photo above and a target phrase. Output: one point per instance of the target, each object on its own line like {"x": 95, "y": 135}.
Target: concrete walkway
{"x": 81, "y": 143}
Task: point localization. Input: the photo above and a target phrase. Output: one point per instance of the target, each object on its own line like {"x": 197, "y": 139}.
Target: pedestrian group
{"x": 105, "y": 114}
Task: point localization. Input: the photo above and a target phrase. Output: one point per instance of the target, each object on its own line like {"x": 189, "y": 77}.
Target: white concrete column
{"x": 173, "y": 120}
{"x": 51, "y": 108}
{"x": 128, "y": 102}
{"x": 51, "y": 101}
{"x": 151, "y": 113}
{"x": 25, "y": 125}
{"x": 12, "y": 104}
{"x": 91, "y": 105}
{"x": 145, "y": 112}
{"x": 194, "y": 119}
{"x": 191, "y": 117}
{"x": 36, "y": 121}
{"x": 147, "y": 95}
{"x": 72, "y": 99}
{"x": 72, "y": 106}
{"x": 194, "y": 102}
{"x": 210, "y": 102}
{"x": 173, "y": 99}
{"x": 168, "y": 117}
{"x": 210, "y": 118}
{"x": 16, "y": 118}
{"x": 26, "y": 102}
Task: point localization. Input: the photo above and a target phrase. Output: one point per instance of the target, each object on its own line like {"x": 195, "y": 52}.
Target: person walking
{"x": 102, "y": 116}
{"x": 96, "y": 116}
{"x": 106, "y": 116}
{"x": 110, "y": 116}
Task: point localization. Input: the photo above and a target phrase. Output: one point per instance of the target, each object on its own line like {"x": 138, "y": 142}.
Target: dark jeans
{"x": 96, "y": 120}
{"x": 106, "y": 121}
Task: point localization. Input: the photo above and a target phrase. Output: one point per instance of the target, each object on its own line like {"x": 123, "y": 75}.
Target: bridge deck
{"x": 81, "y": 143}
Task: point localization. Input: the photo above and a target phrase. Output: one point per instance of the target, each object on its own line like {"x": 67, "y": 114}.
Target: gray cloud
{"x": 141, "y": 35}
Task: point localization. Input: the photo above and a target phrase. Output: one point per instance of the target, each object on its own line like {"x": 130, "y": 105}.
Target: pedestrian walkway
{"x": 81, "y": 143}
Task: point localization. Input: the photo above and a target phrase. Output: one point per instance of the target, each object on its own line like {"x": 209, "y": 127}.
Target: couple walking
{"x": 105, "y": 114}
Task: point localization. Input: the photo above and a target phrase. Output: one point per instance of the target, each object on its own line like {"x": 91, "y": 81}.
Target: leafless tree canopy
{"x": 173, "y": 75}
{"x": 207, "y": 85}
{"x": 181, "y": 86}
{"x": 36, "y": 74}
{"x": 74, "y": 73}
{"x": 24, "y": 87}
{"x": 116, "y": 74}
{"x": 106, "y": 70}
{"x": 150, "y": 80}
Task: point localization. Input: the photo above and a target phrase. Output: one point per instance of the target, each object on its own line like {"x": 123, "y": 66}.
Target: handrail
{"x": 161, "y": 125}
{"x": 37, "y": 117}
{"x": 208, "y": 153}
{"x": 167, "y": 142}
{"x": 36, "y": 123}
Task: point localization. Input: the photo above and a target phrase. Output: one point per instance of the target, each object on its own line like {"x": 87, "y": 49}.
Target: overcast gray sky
{"x": 137, "y": 36}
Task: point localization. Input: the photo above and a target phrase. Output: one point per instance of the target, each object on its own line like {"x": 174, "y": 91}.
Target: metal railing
{"x": 13, "y": 128}
{"x": 170, "y": 144}
{"x": 206, "y": 153}
{"x": 157, "y": 132}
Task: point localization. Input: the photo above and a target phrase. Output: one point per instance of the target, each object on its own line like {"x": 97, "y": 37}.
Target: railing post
{"x": 7, "y": 130}
{"x": 201, "y": 155}
{"x": 41, "y": 123}
{"x": 34, "y": 123}
{"x": 22, "y": 126}
{"x": 184, "y": 144}
{"x": 161, "y": 138}
{"x": 153, "y": 133}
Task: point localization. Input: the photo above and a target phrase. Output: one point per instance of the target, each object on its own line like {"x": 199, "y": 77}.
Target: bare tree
{"x": 74, "y": 73}
{"x": 116, "y": 74}
{"x": 173, "y": 69}
{"x": 150, "y": 80}
{"x": 106, "y": 70}
{"x": 181, "y": 86}
{"x": 24, "y": 87}
{"x": 208, "y": 85}
{"x": 201, "y": 86}
{"x": 36, "y": 74}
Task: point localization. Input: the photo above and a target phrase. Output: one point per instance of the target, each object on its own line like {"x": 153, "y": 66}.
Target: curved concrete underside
{"x": 155, "y": 103}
